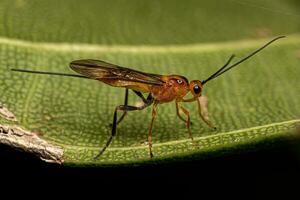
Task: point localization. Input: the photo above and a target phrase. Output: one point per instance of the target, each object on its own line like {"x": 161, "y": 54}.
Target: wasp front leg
{"x": 203, "y": 111}
{"x": 188, "y": 121}
{"x": 179, "y": 115}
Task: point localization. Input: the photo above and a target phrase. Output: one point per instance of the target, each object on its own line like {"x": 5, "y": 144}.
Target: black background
{"x": 268, "y": 171}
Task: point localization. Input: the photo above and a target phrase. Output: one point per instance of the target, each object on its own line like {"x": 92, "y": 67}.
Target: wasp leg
{"x": 203, "y": 111}
{"x": 150, "y": 129}
{"x": 142, "y": 97}
{"x": 126, "y": 103}
{"x": 188, "y": 121}
{"x": 123, "y": 108}
{"x": 178, "y": 114}
{"x": 125, "y": 112}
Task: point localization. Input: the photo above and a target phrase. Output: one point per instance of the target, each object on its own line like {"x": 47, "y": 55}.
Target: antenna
{"x": 223, "y": 69}
{"x": 48, "y": 73}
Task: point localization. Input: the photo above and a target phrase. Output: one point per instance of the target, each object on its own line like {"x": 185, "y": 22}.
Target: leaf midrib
{"x": 197, "y": 47}
{"x": 186, "y": 140}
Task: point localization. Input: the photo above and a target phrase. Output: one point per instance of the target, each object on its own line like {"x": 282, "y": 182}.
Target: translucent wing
{"x": 113, "y": 74}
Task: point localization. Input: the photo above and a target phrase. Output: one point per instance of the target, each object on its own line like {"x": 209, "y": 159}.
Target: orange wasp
{"x": 161, "y": 88}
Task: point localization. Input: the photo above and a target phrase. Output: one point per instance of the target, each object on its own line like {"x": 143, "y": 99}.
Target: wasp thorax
{"x": 196, "y": 87}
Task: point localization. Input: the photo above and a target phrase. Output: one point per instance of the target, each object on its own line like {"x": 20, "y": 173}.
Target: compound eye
{"x": 197, "y": 89}
{"x": 179, "y": 81}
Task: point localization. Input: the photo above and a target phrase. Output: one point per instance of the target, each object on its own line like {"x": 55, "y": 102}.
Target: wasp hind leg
{"x": 124, "y": 112}
{"x": 154, "y": 112}
{"x": 126, "y": 103}
{"x": 124, "y": 108}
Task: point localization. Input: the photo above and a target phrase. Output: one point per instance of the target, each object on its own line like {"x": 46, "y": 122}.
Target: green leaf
{"x": 256, "y": 102}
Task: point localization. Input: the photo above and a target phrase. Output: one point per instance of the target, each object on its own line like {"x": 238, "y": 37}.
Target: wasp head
{"x": 196, "y": 87}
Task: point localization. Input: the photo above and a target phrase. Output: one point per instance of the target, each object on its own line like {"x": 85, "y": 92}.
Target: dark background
{"x": 269, "y": 171}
